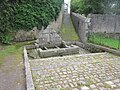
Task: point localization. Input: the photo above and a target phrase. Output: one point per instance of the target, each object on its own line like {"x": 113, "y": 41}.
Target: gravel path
{"x": 12, "y": 74}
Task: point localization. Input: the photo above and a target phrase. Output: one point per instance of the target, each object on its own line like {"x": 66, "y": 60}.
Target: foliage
{"x": 16, "y": 49}
{"x": 6, "y": 39}
{"x": 26, "y": 14}
{"x": 96, "y": 6}
{"x": 86, "y": 6}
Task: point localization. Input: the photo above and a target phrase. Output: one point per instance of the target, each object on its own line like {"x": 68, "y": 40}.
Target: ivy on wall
{"x": 26, "y": 14}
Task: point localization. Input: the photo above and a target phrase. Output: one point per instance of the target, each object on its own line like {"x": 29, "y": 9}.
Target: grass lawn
{"x": 16, "y": 49}
{"x": 68, "y": 32}
{"x": 109, "y": 42}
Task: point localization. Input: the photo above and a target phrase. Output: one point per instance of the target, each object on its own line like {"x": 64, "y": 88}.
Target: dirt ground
{"x": 12, "y": 75}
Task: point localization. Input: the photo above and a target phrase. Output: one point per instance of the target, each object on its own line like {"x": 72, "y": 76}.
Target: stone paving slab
{"x": 77, "y": 72}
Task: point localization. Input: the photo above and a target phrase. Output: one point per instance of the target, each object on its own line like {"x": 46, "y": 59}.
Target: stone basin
{"x": 45, "y": 52}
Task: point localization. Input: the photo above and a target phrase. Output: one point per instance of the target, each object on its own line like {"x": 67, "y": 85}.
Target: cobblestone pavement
{"x": 78, "y": 72}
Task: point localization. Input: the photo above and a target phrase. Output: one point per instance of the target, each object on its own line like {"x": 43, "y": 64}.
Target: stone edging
{"x": 102, "y": 48}
{"x": 113, "y": 51}
{"x": 29, "y": 80}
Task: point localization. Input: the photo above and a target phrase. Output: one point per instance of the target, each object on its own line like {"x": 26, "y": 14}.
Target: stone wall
{"x": 105, "y": 23}
{"x": 80, "y": 23}
{"x": 23, "y": 35}
{"x": 94, "y": 23}
{"x": 56, "y": 25}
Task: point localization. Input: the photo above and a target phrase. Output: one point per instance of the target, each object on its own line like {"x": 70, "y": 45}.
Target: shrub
{"x": 26, "y": 14}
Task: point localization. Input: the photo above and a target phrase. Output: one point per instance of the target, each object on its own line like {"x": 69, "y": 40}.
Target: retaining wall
{"x": 105, "y": 23}
{"x": 94, "y": 23}
{"x": 80, "y": 25}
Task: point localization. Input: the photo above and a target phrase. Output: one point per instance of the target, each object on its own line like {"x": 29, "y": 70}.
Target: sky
{"x": 66, "y": 1}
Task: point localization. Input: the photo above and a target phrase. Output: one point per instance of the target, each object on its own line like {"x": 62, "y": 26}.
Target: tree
{"x": 96, "y": 6}
{"x": 111, "y": 6}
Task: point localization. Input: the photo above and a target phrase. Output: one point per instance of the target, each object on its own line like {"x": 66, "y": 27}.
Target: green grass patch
{"x": 101, "y": 40}
{"x": 16, "y": 48}
{"x": 68, "y": 32}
